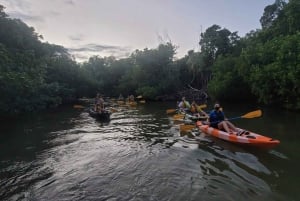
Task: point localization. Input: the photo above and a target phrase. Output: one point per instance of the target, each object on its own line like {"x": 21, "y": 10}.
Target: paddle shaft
{"x": 249, "y": 115}
{"x": 214, "y": 122}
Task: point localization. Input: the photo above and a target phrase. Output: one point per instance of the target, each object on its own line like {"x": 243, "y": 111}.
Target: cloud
{"x": 85, "y": 51}
{"x": 81, "y": 57}
{"x": 76, "y": 38}
{"x": 53, "y": 13}
{"x": 98, "y": 48}
{"x": 70, "y": 2}
{"x": 25, "y": 17}
{"x": 17, "y": 4}
{"x": 21, "y": 9}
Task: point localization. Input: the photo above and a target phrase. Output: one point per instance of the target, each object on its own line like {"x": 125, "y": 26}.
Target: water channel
{"x": 140, "y": 154}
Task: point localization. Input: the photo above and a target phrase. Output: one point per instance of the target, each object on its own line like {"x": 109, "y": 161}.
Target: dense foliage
{"x": 266, "y": 62}
{"x": 33, "y": 75}
{"x": 263, "y": 66}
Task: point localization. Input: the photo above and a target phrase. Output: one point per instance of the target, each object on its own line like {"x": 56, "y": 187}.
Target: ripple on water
{"x": 135, "y": 157}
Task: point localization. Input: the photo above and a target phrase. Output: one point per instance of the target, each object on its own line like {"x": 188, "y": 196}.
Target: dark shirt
{"x": 216, "y": 117}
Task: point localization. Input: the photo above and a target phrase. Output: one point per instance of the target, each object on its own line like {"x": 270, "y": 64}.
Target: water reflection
{"x": 138, "y": 155}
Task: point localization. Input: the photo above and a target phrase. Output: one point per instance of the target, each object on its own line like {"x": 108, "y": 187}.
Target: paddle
{"x": 170, "y": 111}
{"x": 113, "y": 110}
{"x": 121, "y": 102}
{"x": 178, "y": 116}
{"x": 186, "y": 127}
{"x": 132, "y": 104}
{"x": 200, "y": 107}
{"x": 78, "y": 106}
{"x": 249, "y": 115}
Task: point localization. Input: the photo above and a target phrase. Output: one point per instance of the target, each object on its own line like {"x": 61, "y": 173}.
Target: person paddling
{"x": 121, "y": 98}
{"x": 197, "y": 111}
{"x": 99, "y": 103}
{"x": 184, "y": 105}
{"x": 217, "y": 120}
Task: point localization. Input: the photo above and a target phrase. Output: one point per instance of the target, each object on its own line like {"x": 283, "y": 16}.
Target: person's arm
{"x": 224, "y": 117}
{"x": 187, "y": 104}
{"x": 180, "y": 104}
{"x": 204, "y": 113}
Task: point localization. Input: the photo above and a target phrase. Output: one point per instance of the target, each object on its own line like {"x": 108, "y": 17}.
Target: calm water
{"x": 141, "y": 155}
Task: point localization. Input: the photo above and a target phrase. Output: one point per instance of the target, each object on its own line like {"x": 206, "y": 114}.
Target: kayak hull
{"x": 131, "y": 103}
{"x": 249, "y": 139}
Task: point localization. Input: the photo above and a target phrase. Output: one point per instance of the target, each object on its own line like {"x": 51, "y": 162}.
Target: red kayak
{"x": 248, "y": 138}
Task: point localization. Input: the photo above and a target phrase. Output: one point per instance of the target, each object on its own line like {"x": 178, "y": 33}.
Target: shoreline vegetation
{"x": 261, "y": 67}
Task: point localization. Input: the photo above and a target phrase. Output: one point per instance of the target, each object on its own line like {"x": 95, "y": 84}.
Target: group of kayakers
{"x": 99, "y": 105}
{"x": 216, "y": 118}
{"x": 130, "y": 98}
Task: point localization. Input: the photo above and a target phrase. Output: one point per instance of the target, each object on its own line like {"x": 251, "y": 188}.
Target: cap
{"x": 217, "y": 105}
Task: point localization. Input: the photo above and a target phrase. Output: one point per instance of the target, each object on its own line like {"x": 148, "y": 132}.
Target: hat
{"x": 217, "y": 105}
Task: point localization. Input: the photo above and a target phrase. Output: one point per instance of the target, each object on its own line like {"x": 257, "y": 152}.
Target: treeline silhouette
{"x": 263, "y": 66}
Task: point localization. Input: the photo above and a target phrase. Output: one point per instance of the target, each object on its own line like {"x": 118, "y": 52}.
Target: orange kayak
{"x": 249, "y": 138}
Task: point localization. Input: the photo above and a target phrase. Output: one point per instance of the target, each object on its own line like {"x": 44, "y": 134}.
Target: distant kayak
{"x": 246, "y": 138}
{"x": 131, "y": 103}
{"x": 102, "y": 116}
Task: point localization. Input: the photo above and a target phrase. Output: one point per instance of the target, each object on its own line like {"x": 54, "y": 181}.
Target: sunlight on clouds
{"x": 83, "y": 52}
{"x": 136, "y": 24}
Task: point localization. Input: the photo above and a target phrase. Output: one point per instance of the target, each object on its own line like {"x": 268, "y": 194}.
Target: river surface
{"x": 140, "y": 154}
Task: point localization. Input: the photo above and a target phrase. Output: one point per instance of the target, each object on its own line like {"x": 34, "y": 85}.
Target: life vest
{"x": 186, "y": 104}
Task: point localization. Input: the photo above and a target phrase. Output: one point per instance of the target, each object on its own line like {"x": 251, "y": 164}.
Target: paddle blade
{"x": 253, "y": 114}
{"x": 113, "y": 110}
{"x": 184, "y": 127}
{"x": 139, "y": 97}
{"x": 121, "y": 102}
{"x": 170, "y": 111}
{"x": 202, "y": 106}
{"x": 178, "y": 116}
{"x": 132, "y": 104}
{"x": 78, "y": 106}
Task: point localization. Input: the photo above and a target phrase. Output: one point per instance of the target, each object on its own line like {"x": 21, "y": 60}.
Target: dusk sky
{"x": 118, "y": 27}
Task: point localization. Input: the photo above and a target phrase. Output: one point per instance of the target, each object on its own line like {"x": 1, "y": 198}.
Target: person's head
{"x": 217, "y": 106}
{"x": 183, "y": 98}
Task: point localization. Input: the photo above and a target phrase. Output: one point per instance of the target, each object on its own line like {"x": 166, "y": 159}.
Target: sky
{"x": 119, "y": 27}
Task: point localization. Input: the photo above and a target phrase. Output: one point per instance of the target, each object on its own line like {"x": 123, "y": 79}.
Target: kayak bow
{"x": 249, "y": 138}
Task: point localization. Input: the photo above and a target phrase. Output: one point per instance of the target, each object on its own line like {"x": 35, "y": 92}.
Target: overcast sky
{"x": 118, "y": 27}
